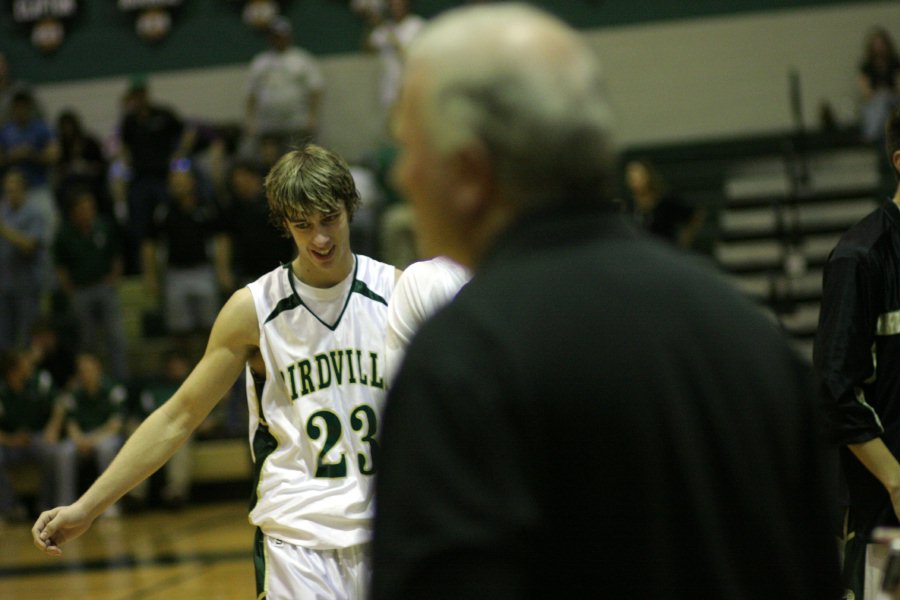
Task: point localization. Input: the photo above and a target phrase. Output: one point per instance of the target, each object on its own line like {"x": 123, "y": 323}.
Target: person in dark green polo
{"x": 89, "y": 263}
{"x": 95, "y": 413}
{"x": 31, "y": 422}
{"x": 154, "y": 394}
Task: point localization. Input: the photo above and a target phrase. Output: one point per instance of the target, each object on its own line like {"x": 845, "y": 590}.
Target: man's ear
{"x": 895, "y": 161}
{"x": 476, "y": 180}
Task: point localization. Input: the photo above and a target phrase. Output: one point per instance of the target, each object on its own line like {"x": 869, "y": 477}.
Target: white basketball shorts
{"x": 288, "y": 572}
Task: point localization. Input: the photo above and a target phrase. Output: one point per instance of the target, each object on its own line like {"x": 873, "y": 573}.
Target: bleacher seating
{"x": 777, "y": 205}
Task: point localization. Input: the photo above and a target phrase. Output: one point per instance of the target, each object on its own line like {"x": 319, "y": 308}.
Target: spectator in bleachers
{"x": 52, "y": 351}
{"x": 185, "y": 227}
{"x": 391, "y": 35}
{"x": 245, "y": 220}
{"x": 207, "y": 149}
{"x": 879, "y": 82}
{"x": 153, "y": 394}
{"x": 214, "y": 159}
{"x": 89, "y": 263}
{"x": 31, "y": 424}
{"x": 657, "y": 209}
{"x": 23, "y": 261}
{"x": 271, "y": 148}
{"x": 28, "y": 143}
{"x": 95, "y": 411}
{"x": 9, "y": 87}
{"x": 366, "y": 225}
{"x": 81, "y": 162}
{"x": 152, "y": 137}
{"x": 284, "y": 92}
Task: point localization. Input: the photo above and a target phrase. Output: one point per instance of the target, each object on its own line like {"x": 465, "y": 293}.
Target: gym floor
{"x": 202, "y": 552}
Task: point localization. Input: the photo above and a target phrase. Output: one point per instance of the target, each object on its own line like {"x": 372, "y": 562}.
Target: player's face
{"x": 324, "y": 257}
{"x": 15, "y": 188}
{"x": 421, "y": 174}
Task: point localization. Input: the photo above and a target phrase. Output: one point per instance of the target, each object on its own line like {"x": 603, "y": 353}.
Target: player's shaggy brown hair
{"x": 306, "y": 181}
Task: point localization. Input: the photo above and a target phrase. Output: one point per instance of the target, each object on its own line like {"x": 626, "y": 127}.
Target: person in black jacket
{"x": 153, "y": 138}
{"x": 856, "y": 352}
{"x": 595, "y": 414}
{"x": 657, "y": 209}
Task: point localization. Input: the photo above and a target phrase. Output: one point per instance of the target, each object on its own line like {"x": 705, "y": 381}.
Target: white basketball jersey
{"x": 314, "y": 420}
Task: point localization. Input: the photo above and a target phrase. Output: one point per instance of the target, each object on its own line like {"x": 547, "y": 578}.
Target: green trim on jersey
{"x": 360, "y": 287}
{"x": 259, "y": 383}
{"x": 289, "y": 303}
{"x": 259, "y": 563}
{"x": 294, "y": 301}
{"x": 264, "y": 443}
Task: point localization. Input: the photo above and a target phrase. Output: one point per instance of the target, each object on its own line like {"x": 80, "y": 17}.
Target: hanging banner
{"x": 152, "y": 18}
{"x": 259, "y": 14}
{"x": 45, "y": 19}
{"x": 369, "y": 10}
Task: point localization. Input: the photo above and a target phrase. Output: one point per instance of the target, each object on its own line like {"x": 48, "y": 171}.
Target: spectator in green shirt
{"x": 95, "y": 413}
{"x": 31, "y": 423}
{"x": 154, "y": 394}
{"x": 89, "y": 264}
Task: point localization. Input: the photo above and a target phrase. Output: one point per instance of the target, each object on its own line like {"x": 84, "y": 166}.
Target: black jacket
{"x": 857, "y": 352}
{"x": 597, "y": 416}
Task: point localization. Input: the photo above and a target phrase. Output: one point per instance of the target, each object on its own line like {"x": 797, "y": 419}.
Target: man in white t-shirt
{"x": 285, "y": 88}
{"x": 390, "y": 38}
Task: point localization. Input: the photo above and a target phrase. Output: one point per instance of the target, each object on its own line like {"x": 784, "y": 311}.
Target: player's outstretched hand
{"x": 57, "y": 526}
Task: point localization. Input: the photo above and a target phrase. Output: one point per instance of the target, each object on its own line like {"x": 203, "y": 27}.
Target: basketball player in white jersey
{"x": 424, "y": 287}
{"x": 311, "y": 335}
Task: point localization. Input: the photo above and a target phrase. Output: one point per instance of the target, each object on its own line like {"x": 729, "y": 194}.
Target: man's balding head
{"x": 517, "y": 89}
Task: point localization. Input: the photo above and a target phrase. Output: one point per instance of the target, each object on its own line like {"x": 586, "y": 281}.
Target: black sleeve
{"x": 115, "y": 238}
{"x": 156, "y": 228}
{"x": 451, "y": 494}
{"x": 843, "y": 348}
{"x": 229, "y": 218}
{"x": 94, "y": 153}
{"x": 176, "y": 127}
{"x": 61, "y": 254}
{"x": 214, "y": 223}
{"x": 127, "y": 130}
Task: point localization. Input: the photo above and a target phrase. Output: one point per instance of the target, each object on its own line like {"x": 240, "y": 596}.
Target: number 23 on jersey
{"x": 325, "y": 427}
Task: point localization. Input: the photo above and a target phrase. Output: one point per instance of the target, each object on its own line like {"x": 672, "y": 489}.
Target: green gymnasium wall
{"x": 100, "y": 41}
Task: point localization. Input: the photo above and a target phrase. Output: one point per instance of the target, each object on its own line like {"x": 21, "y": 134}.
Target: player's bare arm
{"x": 876, "y": 457}
{"x": 232, "y": 343}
